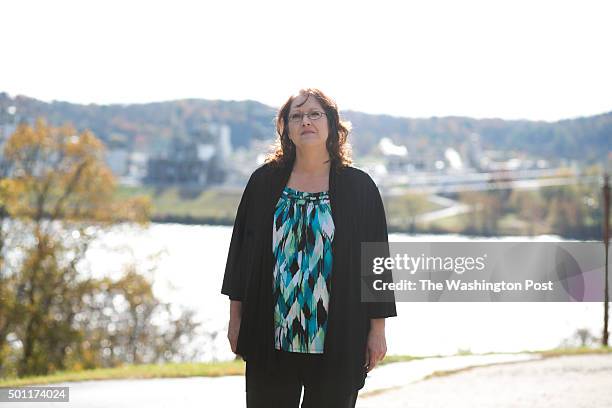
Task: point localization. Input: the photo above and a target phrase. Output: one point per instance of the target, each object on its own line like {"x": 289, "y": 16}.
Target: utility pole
{"x": 606, "y": 238}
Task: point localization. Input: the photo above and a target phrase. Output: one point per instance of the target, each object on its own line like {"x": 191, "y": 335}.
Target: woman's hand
{"x": 232, "y": 333}
{"x": 377, "y": 344}
{"x": 233, "y": 328}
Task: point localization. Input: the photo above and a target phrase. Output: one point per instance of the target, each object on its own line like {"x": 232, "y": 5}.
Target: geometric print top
{"x": 302, "y": 235}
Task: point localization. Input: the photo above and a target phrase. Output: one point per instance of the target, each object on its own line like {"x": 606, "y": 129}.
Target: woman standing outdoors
{"x": 293, "y": 268}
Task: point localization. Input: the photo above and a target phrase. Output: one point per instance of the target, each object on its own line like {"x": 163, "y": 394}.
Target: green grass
{"x": 508, "y": 224}
{"x": 403, "y": 359}
{"x": 220, "y": 205}
{"x": 453, "y": 224}
{"x": 169, "y": 370}
{"x": 400, "y": 209}
{"x": 574, "y": 351}
{"x": 236, "y": 367}
{"x": 176, "y": 202}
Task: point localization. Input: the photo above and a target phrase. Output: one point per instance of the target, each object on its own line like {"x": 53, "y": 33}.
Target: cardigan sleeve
{"x": 232, "y": 280}
{"x": 377, "y": 232}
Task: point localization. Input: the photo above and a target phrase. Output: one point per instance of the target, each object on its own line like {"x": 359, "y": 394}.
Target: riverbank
{"x": 408, "y": 213}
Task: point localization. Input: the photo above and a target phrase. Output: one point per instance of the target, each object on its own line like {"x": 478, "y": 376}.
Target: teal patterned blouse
{"x": 302, "y": 237}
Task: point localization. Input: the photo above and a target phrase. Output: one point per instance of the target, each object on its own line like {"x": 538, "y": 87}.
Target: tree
{"x": 404, "y": 210}
{"x": 530, "y": 206}
{"x": 485, "y": 214}
{"x": 606, "y": 239}
{"x": 56, "y": 197}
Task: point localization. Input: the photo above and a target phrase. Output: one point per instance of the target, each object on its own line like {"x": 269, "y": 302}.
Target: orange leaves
{"x": 59, "y": 173}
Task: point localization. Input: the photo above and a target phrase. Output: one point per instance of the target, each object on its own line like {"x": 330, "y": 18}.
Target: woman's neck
{"x": 313, "y": 164}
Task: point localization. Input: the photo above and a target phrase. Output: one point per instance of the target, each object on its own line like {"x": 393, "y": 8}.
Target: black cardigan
{"x": 359, "y": 216}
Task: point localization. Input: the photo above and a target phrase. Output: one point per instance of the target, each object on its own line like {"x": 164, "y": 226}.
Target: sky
{"x": 538, "y": 60}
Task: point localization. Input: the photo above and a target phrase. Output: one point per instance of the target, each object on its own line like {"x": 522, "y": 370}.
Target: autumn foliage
{"x": 56, "y": 197}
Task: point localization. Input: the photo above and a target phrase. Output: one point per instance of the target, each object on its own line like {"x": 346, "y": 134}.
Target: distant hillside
{"x": 588, "y": 139}
{"x": 149, "y": 126}
{"x": 144, "y": 125}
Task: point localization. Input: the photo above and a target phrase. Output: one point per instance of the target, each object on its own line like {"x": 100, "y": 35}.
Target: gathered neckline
{"x": 305, "y": 195}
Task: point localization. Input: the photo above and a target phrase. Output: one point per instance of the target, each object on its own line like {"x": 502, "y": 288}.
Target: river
{"x": 190, "y": 260}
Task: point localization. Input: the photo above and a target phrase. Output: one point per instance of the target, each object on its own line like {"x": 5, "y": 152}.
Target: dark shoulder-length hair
{"x": 339, "y": 149}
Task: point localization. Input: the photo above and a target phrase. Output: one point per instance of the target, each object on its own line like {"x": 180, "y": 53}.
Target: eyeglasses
{"x": 297, "y": 117}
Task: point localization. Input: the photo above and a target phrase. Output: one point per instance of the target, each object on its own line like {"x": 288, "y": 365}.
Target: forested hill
{"x": 147, "y": 126}
{"x": 586, "y": 139}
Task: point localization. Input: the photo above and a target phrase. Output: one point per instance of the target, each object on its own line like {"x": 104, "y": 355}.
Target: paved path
{"x": 562, "y": 382}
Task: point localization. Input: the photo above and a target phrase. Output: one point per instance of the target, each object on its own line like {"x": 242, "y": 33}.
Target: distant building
{"x": 453, "y": 158}
{"x": 136, "y": 168}
{"x": 473, "y": 152}
{"x": 118, "y": 161}
{"x": 426, "y": 160}
{"x": 198, "y": 161}
{"x": 8, "y": 123}
{"x": 223, "y": 136}
{"x": 396, "y": 157}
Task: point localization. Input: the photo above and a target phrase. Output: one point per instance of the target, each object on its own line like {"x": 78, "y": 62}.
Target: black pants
{"x": 282, "y": 388}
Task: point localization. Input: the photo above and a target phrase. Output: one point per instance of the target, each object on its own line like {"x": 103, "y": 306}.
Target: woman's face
{"x": 307, "y": 133}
